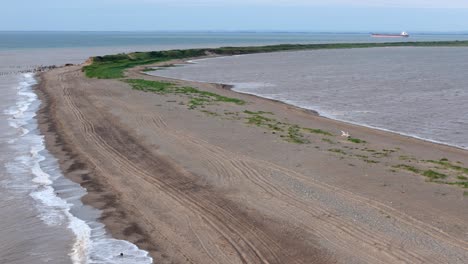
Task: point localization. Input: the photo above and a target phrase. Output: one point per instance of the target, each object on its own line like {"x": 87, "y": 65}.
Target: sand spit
{"x": 204, "y": 185}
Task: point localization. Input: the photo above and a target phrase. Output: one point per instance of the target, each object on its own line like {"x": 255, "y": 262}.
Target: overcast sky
{"x": 284, "y": 15}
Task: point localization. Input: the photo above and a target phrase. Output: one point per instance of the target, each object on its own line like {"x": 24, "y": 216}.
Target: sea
{"x": 421, "y": 92}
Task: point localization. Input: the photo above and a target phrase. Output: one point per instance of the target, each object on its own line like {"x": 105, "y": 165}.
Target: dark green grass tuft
{"x": 317, "y": 131}
{"x": 433, "y": 175}
{"x": 257, "y": 113}
{"x": 356, "y": 140}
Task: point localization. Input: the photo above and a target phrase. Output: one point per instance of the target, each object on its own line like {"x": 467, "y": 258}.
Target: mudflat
{"x": 196, "y": 180}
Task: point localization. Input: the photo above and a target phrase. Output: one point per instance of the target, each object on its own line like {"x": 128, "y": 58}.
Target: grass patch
{"x": 361, "y": 156}
{"x": 113, "y": 66}
{"x": 433, "y": 175}
{"x": 195, "y": 102}
{"x": 463, "y": 184}
{"x": 199, "y": 98}
{"x": 335, "y": 150}
{"x": 408, "y": 168}
{"x": 317, "y": 131}
{"x": 259, "y": 120}
{"x": 465, "y": 193}
{"x": 356, "y": 140}
{"x": 388, "y": 150}
{"x": 446, "y": 164}
{"x": 404, "y": 157}
{"x": 257, "y": 113}
{"x": 295, "y": 136}
{"x": 151, "y": 86}
{"x": 462, "y": 178}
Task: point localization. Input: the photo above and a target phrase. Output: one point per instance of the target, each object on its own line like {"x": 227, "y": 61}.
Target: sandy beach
{"x": 258, "y": 182}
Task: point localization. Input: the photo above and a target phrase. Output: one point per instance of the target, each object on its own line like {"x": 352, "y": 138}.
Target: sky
{"x": 237, "y": 15}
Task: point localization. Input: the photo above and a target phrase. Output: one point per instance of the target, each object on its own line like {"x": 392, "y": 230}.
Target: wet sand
{"x": 205, "y": 187}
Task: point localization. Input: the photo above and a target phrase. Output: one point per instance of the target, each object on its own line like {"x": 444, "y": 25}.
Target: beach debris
{"x": 345, "y": 134}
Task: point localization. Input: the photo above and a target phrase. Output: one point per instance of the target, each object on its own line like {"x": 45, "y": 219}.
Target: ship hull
{"x": 389, "y": 36}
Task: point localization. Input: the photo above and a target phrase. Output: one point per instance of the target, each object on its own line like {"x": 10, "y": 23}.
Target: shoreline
{"x": 73, "y": 168}
{"x": 73, "y": 164}
{"x": 312, "y": 111}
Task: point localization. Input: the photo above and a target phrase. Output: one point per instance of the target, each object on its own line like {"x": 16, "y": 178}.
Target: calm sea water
{"x": 42, "y": 218}
{"x": 421, "y": 92}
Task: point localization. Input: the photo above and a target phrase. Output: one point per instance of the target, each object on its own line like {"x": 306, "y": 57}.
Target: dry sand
{"x": 205, "y": 187}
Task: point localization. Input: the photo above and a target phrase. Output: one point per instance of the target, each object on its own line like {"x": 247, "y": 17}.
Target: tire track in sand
{"x": 253, "y": 247}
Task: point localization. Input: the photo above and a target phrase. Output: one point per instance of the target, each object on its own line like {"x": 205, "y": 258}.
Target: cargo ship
{"x": 380, "y": 35}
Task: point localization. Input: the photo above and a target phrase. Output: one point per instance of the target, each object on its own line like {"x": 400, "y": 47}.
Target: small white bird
{"x": 345, "y": 134}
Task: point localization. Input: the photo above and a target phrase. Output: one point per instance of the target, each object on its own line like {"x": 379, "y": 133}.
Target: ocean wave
{"x": 92, "y": 243}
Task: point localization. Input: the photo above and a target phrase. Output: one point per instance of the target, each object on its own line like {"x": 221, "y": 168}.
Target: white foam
{"x": 91, "y": 245}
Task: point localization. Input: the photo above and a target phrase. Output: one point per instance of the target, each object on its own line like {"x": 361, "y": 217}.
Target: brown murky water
{"x": 421, "y": 92}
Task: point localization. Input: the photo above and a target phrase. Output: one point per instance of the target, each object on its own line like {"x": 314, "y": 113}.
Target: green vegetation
{"x": 257, "y": 113}
{"x": 317, "y": 131}
{"x": 113, "y": 66}
{"x": 295, "y": 136}
{"x": 463, "y": 184}
{"x": 434, "y": 175}
{"x": 198, "y": 97}
{"x": 335, "y": 150}
{"x": 194, "y": 102}
{"x": 356, "y": 140}
{"x": 465, "y": 193}
{"x": 408, "y": 158}
{"x": 151, "y": 86}
{"x": 380, "y": 154}
{"x": 408, "y": 168}
{"x": 446, "y": 164}
{"x": 462, "y": 178}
